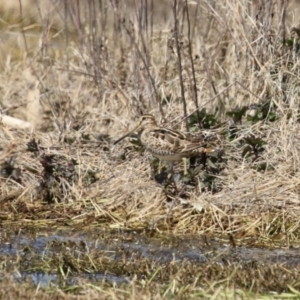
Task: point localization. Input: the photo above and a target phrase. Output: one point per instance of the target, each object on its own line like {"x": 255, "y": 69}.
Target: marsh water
{"x": 35, "y": 252}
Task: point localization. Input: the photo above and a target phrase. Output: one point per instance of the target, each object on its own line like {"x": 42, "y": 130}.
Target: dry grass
{"x": 89, "y": 100}
{"x": 85, "y": 290}
{"x": 88, "y": 87}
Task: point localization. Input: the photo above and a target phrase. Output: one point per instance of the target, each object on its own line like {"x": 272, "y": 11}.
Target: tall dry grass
{"x": 102, "y": 65}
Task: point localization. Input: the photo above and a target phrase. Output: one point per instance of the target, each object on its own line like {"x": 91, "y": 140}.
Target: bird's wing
{"x": 171, "y": 141}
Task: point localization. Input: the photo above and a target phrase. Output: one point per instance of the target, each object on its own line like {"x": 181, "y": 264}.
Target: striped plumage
{"x": 167, "y": 144}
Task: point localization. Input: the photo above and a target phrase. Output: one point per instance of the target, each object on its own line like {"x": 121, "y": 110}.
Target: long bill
{"x": 126, "y": 135}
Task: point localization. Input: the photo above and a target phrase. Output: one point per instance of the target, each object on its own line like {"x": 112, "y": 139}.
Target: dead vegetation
{"x": 227, "y": 67}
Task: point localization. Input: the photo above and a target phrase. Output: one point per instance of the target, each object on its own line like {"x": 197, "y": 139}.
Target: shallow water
{"x": 197, "y": 249}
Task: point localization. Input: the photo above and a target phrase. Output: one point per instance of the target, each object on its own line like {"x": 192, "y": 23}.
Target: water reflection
{"x": 133, "y": 246}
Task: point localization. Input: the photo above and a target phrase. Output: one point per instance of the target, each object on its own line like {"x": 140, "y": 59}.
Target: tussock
{"x": 234, "y": 72}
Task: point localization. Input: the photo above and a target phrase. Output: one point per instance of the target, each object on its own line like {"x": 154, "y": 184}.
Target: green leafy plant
{"x": 206, "y": 120}
{"x": 254, "y": 147}
{"x": 237, "y": 114}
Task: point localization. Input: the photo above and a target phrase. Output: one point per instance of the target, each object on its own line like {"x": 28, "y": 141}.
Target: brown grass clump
{"x": 84, "y": 75}
{"x": 91, "y": 97}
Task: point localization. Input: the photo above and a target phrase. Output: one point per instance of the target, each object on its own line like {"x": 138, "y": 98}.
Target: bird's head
{"x": 146, "y": 121}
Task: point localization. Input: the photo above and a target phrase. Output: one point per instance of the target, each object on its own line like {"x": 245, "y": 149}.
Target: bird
{"x": 168, "y": 144}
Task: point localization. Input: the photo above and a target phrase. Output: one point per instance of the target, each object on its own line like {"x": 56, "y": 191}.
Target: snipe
{"x": 167, "y": 144}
